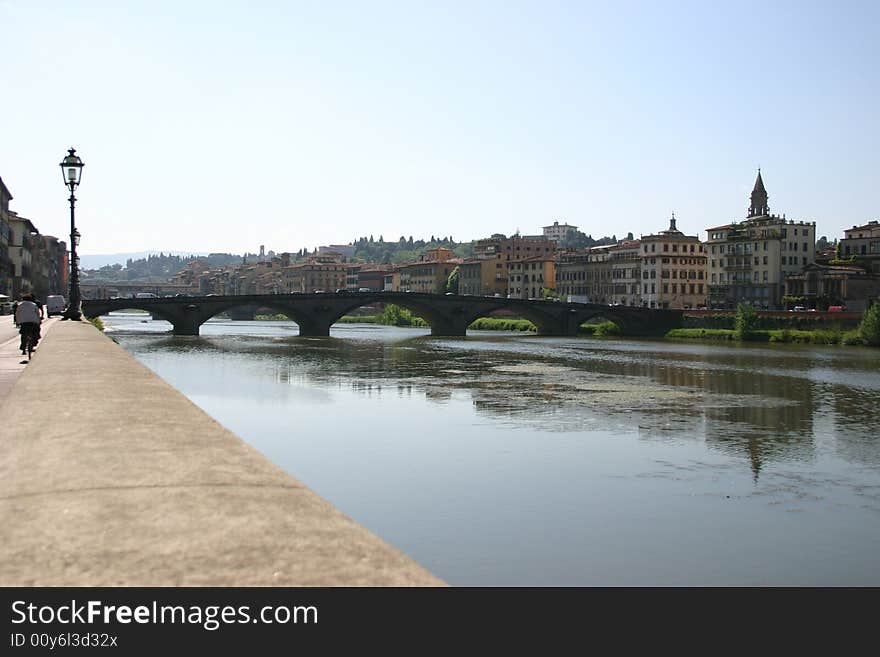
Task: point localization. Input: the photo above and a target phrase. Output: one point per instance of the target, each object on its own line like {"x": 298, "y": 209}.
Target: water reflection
{"x": 757, "y": 405}
{"x": 562, "y": 454}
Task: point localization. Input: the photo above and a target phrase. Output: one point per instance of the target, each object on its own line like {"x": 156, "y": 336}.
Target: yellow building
{"x": 482, "y": 277}
{"x": 527, "y": 278}
{"x": 430, "y": 274}
{"x": 318, "y": 274}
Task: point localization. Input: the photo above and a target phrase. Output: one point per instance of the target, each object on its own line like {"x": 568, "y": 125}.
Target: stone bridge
{"x": 448, "y": 315}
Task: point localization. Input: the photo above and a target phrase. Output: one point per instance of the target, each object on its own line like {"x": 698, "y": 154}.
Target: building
{"x": 571, "y": 274}
{"x": 559, "y": 232}
{"x": 482, "y": 277}
{"x": 345, "y": 250}
{"x": 673, "y": 270}
{"x": 317, "y": 274}
{"x": 750, "y": 260}
{"x": 863, "y": 243}
{"x": 504, "y": 250}
{"x": 515, "y": 247}
{"x": 819, "y": 286}
{"x": 626, "y": 273}
{"x": 372, "y": 277}
{"x": 429, "y": 275}
{"x": 6, "y": 269}
{"x": 598, "y": 274}
{"x": 49, "y": 266}
{"x": 23, "y": 240}
{"x": 527, "y": 278}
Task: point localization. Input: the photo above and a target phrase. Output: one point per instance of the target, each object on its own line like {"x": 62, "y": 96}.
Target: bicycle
{"x": 30, "y": 340}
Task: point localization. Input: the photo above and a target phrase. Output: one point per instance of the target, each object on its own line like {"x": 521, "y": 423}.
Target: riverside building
{"x": 673, "y": 270}
{"x": 750, "y": 260}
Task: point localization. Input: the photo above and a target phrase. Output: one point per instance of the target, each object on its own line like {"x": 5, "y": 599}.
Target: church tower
{"x": 759, "y": 206}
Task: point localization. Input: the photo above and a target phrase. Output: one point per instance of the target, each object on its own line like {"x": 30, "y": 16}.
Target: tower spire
{"x": 759, "y": 205}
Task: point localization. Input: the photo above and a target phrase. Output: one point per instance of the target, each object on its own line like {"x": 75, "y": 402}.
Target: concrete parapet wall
{"x": 111, "y": 477}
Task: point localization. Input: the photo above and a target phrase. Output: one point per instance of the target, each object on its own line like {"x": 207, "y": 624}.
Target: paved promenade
{"x": 109, "y": 476}
{"x": 11, "y": 361}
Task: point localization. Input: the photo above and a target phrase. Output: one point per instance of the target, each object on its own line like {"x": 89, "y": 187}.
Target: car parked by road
{"x": 55, "y": 305}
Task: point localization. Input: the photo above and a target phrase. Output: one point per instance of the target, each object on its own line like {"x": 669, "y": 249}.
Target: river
{"x": 510, "y": 459}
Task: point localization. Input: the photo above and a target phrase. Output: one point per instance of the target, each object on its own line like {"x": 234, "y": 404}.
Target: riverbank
{"x": 111, "y": 477}
{"x": 792, "y": 336}
{"x": 482, "y": 324}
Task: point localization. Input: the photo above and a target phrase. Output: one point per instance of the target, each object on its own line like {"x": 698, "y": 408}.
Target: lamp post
{"x": 71, "y": 169}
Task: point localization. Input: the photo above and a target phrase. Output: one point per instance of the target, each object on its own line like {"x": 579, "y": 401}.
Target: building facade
{"x": 820, "y": 286}
{"x": 482, "y": 277}
{"x": 673, "y": 270}
{"x": 750, "y": 260}
{"x": 317, "y": 274}
{"x": 626, "y": 273}
{"x": 430, "y": 274}
{"x": 863, "y": 243}
{"x": 6, "y": 269}
{"x": 559, "y": 232}
{"x": 527, "y": 278}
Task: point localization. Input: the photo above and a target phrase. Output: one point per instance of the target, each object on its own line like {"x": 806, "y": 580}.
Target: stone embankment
{"x": 111, "y": 477}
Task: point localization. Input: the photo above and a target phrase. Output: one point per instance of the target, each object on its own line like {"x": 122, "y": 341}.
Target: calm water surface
{"x": 504, "y": 459}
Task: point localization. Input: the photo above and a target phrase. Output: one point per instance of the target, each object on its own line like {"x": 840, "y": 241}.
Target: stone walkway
{"x": 11, "y": 361}
{"x": 111, "y": 477}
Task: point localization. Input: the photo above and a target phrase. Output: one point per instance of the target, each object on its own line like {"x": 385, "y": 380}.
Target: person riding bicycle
{"x": 27, "y": 318}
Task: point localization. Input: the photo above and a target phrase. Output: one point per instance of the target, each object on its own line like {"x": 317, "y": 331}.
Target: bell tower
{"x": 759, "y": 206}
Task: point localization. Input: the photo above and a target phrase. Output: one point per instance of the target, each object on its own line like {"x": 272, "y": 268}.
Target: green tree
{"x": 452, "y": 281}
{"x": 869, "y": 327}
{"x": 746, "y": 322}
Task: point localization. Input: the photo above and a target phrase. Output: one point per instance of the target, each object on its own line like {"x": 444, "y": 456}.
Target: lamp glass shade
{"x": 71, "y": 168}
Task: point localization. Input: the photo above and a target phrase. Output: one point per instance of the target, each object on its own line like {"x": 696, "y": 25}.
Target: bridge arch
{"x": 96, "y": 310}
{"x": 448, "y": 315}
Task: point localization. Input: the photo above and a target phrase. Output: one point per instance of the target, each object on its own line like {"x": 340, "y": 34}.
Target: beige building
{"x": 863, "y": 242}
{"x": 673, "y": 270}
{"x": 625, "y": 260}
{"x": 559, "y": 232}
{"x": 820, "y": 286}
{"x": 504, "y": 250}
{"x": 318, "y": 273}
{"x": 571, "y": 275}
{"x": 750, "y": 260}
{"x": 430, "y": 274}
{"x": 598, "y": 274}
{"x": 22, "y": 244}
{"x": 527, "y": 278}
{"x": 482, "y": 277}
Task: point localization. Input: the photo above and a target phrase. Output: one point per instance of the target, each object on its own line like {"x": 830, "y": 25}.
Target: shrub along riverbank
{"x": 746, "y": 328}
{"x": 397, "y": 316}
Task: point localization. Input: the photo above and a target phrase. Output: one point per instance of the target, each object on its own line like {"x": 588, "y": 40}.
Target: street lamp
{"x": 71, "y": 169}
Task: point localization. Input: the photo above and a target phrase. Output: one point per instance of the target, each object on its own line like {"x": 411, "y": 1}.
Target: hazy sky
{"x": 220, "y": 126}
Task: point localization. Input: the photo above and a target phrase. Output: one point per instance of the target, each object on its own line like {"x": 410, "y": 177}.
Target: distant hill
{"x": 104, "y": 259}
